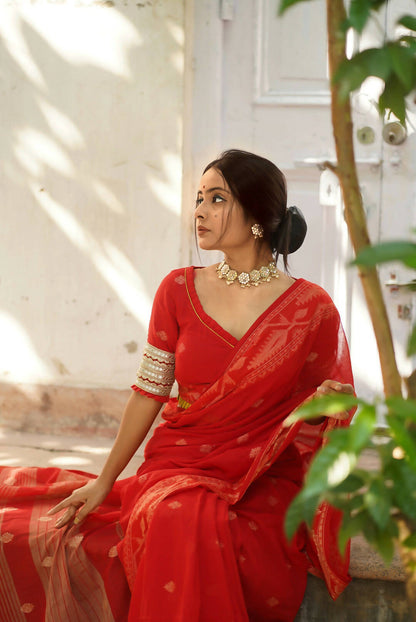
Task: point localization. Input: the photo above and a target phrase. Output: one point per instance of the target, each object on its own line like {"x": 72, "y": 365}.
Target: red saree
{"x": 199, "y": 530}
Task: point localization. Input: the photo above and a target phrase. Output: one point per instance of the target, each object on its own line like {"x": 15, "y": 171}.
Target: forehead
{"x": 212, "y": 179}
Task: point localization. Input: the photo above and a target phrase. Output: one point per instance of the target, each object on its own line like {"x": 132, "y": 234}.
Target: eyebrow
{"x": 213, "y": 189}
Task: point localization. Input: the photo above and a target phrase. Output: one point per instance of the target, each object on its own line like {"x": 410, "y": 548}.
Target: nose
{"x": 199, "y": 210}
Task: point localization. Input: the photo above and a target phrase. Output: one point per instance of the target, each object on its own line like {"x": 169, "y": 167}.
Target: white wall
{"x": 91, "y": 105}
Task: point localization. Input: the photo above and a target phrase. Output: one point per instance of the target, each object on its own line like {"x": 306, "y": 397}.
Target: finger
{"x": 60, "y": 506}
{"x": 82, "y": 514}
{"x": 73, "y": 499}
{"x": 329, "y": 387}
{"x": 325, "y": 389}
{"x": 332, "y": 384}
{"x": 67, "y": 517}
{"x": 341, "y": 416}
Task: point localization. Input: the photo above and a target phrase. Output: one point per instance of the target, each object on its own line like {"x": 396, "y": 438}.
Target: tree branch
{"x": 354, "y": 211}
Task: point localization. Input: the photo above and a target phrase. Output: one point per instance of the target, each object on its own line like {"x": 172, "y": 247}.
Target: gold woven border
{"x": 156, "y": 373}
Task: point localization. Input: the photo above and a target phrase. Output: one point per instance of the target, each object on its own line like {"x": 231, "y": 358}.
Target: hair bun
{"x": 297, "y": 228}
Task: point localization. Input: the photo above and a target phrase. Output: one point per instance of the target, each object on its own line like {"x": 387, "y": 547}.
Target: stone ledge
{"x": 363, "y": 600}
{"x": 50, "y": 409}
{"x": 367, "y": 564}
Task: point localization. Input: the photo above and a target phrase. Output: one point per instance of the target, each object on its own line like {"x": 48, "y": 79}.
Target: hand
{"x": 332, "y": 387}
{"x": 87, "y": 497}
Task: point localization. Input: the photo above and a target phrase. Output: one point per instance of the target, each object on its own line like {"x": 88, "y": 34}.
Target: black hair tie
{"x": 297, "y": 228}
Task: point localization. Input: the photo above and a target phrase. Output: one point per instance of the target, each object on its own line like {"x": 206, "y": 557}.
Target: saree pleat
{"x": 68, "y": 575}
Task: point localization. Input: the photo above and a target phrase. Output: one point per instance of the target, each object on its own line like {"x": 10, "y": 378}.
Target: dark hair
{"x": 260, "y": 188}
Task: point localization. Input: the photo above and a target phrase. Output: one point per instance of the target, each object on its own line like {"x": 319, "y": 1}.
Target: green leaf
{"x": 352, "y": 483}
{"x": 411, "y": 344}
{"x": 302, "y": 508}
{"x": 352, "y": 73}
{"x": 408, "y": 21}
{"x": 332, "y": 464}
{"x": 346, "y": 502}
{"x": 403, "y": 64}
{"x": 351, "y": 525}
{"x": 286, "y": 4}
{"x": 409, "y": 41}
{"x": 323, "y": 405}
{"x": 378, "y": 501}
{"x": 393, "y": 98}
{"x": 404, "y": 488}
{"x": 384, "y": 543}
{"x": 377, "y": 61}
{"x": 381, "y": 540}
{"x": 410, "y": 541}
{"x": 350, "y": 76}
{"x": 403, "y": 438}
{"x": 396, "y": 250}
{"x": 362, "y": 428}
{"x": 359, "y": 13}
{"x": 402, "y": 408}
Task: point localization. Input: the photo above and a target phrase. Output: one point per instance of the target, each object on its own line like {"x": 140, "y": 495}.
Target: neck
{"x": 245, "y": 262}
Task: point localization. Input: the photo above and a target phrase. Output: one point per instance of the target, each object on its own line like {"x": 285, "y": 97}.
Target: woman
{"x": 198, "y": 533}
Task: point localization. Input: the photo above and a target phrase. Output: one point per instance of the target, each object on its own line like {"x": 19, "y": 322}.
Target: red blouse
{"x": 179, "y": 325}
{"x": 201, "y": 349}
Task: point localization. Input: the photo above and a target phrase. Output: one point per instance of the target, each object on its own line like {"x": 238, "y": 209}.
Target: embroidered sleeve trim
{"x": 156, "y": 373}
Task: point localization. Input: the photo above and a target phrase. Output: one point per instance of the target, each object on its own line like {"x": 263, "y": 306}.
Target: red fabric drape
{"x": 199, "y": 530}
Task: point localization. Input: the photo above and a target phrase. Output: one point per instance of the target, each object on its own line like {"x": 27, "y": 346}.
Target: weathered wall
{"x": 91, "y": 107}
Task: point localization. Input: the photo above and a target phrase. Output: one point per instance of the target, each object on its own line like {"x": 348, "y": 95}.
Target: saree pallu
{"x": 215, "y": 464}
{"x": 198, "y": 533}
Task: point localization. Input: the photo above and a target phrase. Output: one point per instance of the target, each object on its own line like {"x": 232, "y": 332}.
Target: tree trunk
{"x": 346, "y": 171}
{"x": 354, "y": 213}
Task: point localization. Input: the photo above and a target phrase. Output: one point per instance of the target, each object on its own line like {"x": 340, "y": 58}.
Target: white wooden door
{"x": 259, "y": 83}
{"x": 389, "y": 195}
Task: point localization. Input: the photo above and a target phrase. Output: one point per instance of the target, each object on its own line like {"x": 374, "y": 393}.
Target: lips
{"x": 202, "y": 229}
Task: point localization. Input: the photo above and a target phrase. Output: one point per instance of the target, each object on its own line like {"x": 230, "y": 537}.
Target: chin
{"x": 204, "y": 246}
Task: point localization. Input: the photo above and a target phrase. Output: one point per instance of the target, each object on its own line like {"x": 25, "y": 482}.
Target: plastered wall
{"x": 91, "y": 109}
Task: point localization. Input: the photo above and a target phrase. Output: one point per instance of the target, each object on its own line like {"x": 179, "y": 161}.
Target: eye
{"x": 198, "y": 201}
{"x": 217, "y": 198}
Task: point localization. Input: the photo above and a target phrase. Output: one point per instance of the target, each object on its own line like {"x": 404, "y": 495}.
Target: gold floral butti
{"x": 156, "y": 373}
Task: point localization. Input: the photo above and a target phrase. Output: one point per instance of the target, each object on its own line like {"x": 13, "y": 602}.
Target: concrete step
{"x": 66, "y": 452}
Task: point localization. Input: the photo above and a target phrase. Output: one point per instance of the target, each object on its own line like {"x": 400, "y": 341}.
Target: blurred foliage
{"x": 372, "y": 501}
{"x": 375, "y": 502}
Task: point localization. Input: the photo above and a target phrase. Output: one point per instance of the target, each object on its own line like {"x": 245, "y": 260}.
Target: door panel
{"x": 270, "y": 95}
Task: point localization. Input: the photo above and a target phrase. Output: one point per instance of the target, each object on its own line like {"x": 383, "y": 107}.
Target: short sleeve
{"x": 156, "y": 373}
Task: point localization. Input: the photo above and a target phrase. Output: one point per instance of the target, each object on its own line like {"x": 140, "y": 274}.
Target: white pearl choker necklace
{"x": 247, "y": 279}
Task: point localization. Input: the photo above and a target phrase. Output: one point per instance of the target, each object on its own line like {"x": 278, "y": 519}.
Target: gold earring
{"x": 257, "y": 230}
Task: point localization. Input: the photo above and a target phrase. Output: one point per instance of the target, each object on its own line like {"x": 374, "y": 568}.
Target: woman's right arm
{"x": 138, "y": 416}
